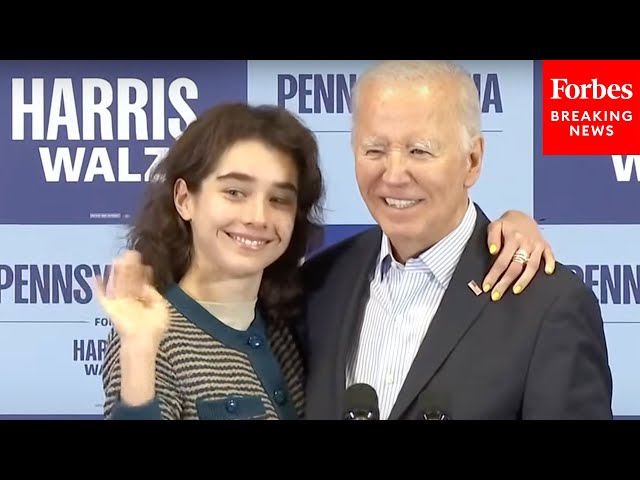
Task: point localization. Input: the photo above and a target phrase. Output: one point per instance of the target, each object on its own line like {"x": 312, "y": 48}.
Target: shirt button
{"x": 390, "y": 379}
{"x": 232, "y": 406}
{"x": 255, "y": 341}
{"x": 280, "y": 397}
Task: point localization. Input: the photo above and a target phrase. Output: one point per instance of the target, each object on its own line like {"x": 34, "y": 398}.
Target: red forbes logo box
{"x": 590, "y": 107}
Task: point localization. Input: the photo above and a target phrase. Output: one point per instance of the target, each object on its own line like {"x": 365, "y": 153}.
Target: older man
{"x": 398, "y": 307}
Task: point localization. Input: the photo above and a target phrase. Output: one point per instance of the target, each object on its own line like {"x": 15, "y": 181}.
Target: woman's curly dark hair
{"x": 164, "y": 239}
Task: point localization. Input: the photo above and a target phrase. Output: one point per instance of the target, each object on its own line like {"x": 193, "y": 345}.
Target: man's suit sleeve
{"x": 569, "y": 375}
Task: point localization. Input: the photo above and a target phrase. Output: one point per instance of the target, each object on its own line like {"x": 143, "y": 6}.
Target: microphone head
{"x": 361, "y": 403}
{"x": 434, "y": 405}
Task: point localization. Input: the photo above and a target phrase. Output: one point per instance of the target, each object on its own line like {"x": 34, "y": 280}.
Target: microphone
{"x": 433, "y": 406}
{"x": 361, "y": 403}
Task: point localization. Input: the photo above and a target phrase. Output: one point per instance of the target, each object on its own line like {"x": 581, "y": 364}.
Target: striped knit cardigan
{"x": 206, "y": 370}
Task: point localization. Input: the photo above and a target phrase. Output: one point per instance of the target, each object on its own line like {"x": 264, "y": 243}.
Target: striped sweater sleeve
{"x": 167, "y": 404}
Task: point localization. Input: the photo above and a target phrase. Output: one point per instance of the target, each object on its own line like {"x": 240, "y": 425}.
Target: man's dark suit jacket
{"x": 537, "y": 355}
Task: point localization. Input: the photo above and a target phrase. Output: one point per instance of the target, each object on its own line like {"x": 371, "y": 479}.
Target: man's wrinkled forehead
{"x": 415, "y": 105}
{"x": 420, "y": 97}
{"x": 387, "y": 89}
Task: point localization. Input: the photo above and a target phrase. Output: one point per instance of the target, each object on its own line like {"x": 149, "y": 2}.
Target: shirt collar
{"x": 441, "y": 259}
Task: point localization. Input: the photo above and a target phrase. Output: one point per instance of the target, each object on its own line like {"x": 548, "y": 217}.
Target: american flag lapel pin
{"x": 474, "y": 287}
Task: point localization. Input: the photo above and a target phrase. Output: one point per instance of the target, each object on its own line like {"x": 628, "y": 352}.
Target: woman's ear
{"x": 182, "y": 199}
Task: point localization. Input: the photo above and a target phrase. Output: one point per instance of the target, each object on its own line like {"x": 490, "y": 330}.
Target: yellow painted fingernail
{"x": 517, "y": 289}
{"x": 486, "y": 287}
{"x": 548, "y": 270}
{"x": 493, "y": 248}
{"x": 495, "y": 296}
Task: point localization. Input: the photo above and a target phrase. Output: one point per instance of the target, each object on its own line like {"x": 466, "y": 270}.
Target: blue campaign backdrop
{"x": 77, "y": 139}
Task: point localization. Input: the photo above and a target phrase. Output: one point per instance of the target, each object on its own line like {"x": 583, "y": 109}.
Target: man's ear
{"x": 183, "y": 200}
{"x": 474, "y": 161}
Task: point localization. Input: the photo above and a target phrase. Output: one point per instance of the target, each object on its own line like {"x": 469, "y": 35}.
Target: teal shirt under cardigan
{"x": 206, "y": 370}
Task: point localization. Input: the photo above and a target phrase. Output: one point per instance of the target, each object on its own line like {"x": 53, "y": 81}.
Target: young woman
{"x": 203, "y": 300}
{"x": 231, "y": 212}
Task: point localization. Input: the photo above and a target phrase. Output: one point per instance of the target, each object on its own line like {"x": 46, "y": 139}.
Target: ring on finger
{"x": 521, "y": 256}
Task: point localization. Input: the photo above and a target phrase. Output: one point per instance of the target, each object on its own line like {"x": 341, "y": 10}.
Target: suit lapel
{"x": 355, "y": 272}
{"x": 459, "y": 308}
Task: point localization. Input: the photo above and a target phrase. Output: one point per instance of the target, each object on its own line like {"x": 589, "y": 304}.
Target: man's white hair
{"x": 466, "y": 101}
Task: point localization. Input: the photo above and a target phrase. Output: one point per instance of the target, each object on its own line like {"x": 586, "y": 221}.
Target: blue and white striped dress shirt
{"x": 403, "y": 300}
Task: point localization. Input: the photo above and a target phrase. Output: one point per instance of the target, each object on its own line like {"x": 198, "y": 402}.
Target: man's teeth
{"x": 248, "y": 242}
{"x": 395, "y": 203}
